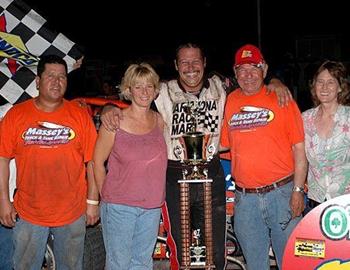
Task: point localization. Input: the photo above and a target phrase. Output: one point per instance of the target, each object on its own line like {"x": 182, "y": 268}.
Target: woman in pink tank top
{"x": 132, "y": 187}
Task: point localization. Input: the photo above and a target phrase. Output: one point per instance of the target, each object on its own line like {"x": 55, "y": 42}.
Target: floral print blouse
{"x": 329, "y": 159}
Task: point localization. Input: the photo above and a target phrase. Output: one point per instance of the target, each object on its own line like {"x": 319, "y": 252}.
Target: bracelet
{"x": 92, "y": 202}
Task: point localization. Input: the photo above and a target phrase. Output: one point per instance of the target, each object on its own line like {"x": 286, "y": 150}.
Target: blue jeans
{"x": 129, "y": 235}
{"x": 6, "y": 248}
{"x": 30, "y": 245}
{"x": 261, "y": 220}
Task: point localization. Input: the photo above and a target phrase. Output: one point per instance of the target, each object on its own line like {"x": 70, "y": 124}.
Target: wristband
{"x": 92, "y": 202}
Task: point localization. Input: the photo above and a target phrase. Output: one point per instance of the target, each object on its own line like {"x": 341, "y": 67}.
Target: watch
{"x": 298, "y": 189}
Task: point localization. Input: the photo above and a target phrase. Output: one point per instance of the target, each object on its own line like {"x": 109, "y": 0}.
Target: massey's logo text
{"x": 250, "y": 117}
{"x": 48, "y": 134}
{"x": 335, "y": 222}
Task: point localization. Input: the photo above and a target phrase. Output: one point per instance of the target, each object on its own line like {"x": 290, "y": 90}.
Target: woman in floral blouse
{"x": 327, "y": 134}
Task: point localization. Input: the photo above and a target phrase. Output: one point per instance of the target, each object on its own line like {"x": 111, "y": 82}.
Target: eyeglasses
{"x": 243, "y": 71}
{"x": 285, "y": 222}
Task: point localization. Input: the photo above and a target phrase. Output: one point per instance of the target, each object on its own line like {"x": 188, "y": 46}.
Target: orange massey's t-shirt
{"x": 260, "y": 135}
{"x": 50, "y": 151}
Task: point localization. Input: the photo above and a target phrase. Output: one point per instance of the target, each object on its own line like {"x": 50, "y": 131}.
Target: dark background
{"x": 294, "y": 35}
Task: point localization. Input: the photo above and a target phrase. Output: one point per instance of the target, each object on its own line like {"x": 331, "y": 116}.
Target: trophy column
{"x": 194, "y": 255}
{"x": 208, "y": 223}
{"x": 185, "y": 224}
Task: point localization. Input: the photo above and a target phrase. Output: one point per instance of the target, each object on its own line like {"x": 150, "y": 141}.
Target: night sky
{"x": 123, "y": 31}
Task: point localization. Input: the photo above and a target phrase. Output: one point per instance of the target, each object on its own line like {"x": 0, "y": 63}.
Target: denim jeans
{"x": 261, "y": 220}
{"x": 30, "y": 245}
{"x": 129, "y": 234}
{"x": 6, "y": 248}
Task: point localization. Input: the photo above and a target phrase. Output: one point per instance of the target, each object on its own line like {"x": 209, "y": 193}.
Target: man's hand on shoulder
{"x": 110, "y": 117}
{"x": 283, "y": 94}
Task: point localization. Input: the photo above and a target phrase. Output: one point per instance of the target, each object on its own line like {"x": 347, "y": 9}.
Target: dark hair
{"x": 339, "y": 72}
{"x": 50, "y": 59}
{"x": 189, "y": 45}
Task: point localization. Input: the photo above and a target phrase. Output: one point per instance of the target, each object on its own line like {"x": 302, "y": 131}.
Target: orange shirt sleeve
{"x": 89, "y": 137}
{"x": 294, "y": 124}
{"x": 224, "y": 140}
{"x": 7, "y": 134}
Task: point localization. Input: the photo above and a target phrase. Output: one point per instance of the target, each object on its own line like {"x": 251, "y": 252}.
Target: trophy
{"x": 194, "y": 254}
{"x": 197, "y": 251}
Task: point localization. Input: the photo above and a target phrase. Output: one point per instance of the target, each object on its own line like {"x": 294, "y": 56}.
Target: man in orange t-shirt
{"x": 268, "y": 161}
{"x": 52, "y": 141}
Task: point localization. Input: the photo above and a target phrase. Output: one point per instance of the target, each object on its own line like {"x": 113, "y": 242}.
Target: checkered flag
{"x": 208, "y": 121}
{"x": 24, "y": 37}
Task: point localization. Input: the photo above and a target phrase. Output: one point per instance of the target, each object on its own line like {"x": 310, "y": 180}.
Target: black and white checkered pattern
{"x": 208, "y": 121}
{"x": 39, "y": 40}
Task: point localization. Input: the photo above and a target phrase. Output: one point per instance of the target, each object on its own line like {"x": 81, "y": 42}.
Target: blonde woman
{"x": 133, "y": 189}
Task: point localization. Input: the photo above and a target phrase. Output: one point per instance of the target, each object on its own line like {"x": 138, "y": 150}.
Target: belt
{"x": 268, "y": 188}
{"x": 177, "y": 164}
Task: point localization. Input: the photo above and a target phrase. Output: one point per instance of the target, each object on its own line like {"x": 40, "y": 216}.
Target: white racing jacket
{"x": 172, "y": 103}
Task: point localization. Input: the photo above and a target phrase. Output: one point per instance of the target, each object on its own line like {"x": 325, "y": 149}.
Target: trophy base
{"x": 206, "y": 267}
{"x": 195, "y": 181}
{"x": 197, "y": 255}
{"x": 195, "y": 171}
{"x": 194, "y": 161}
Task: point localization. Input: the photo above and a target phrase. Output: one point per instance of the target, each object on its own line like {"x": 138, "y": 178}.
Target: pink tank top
{"x": 136, "y": 170}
